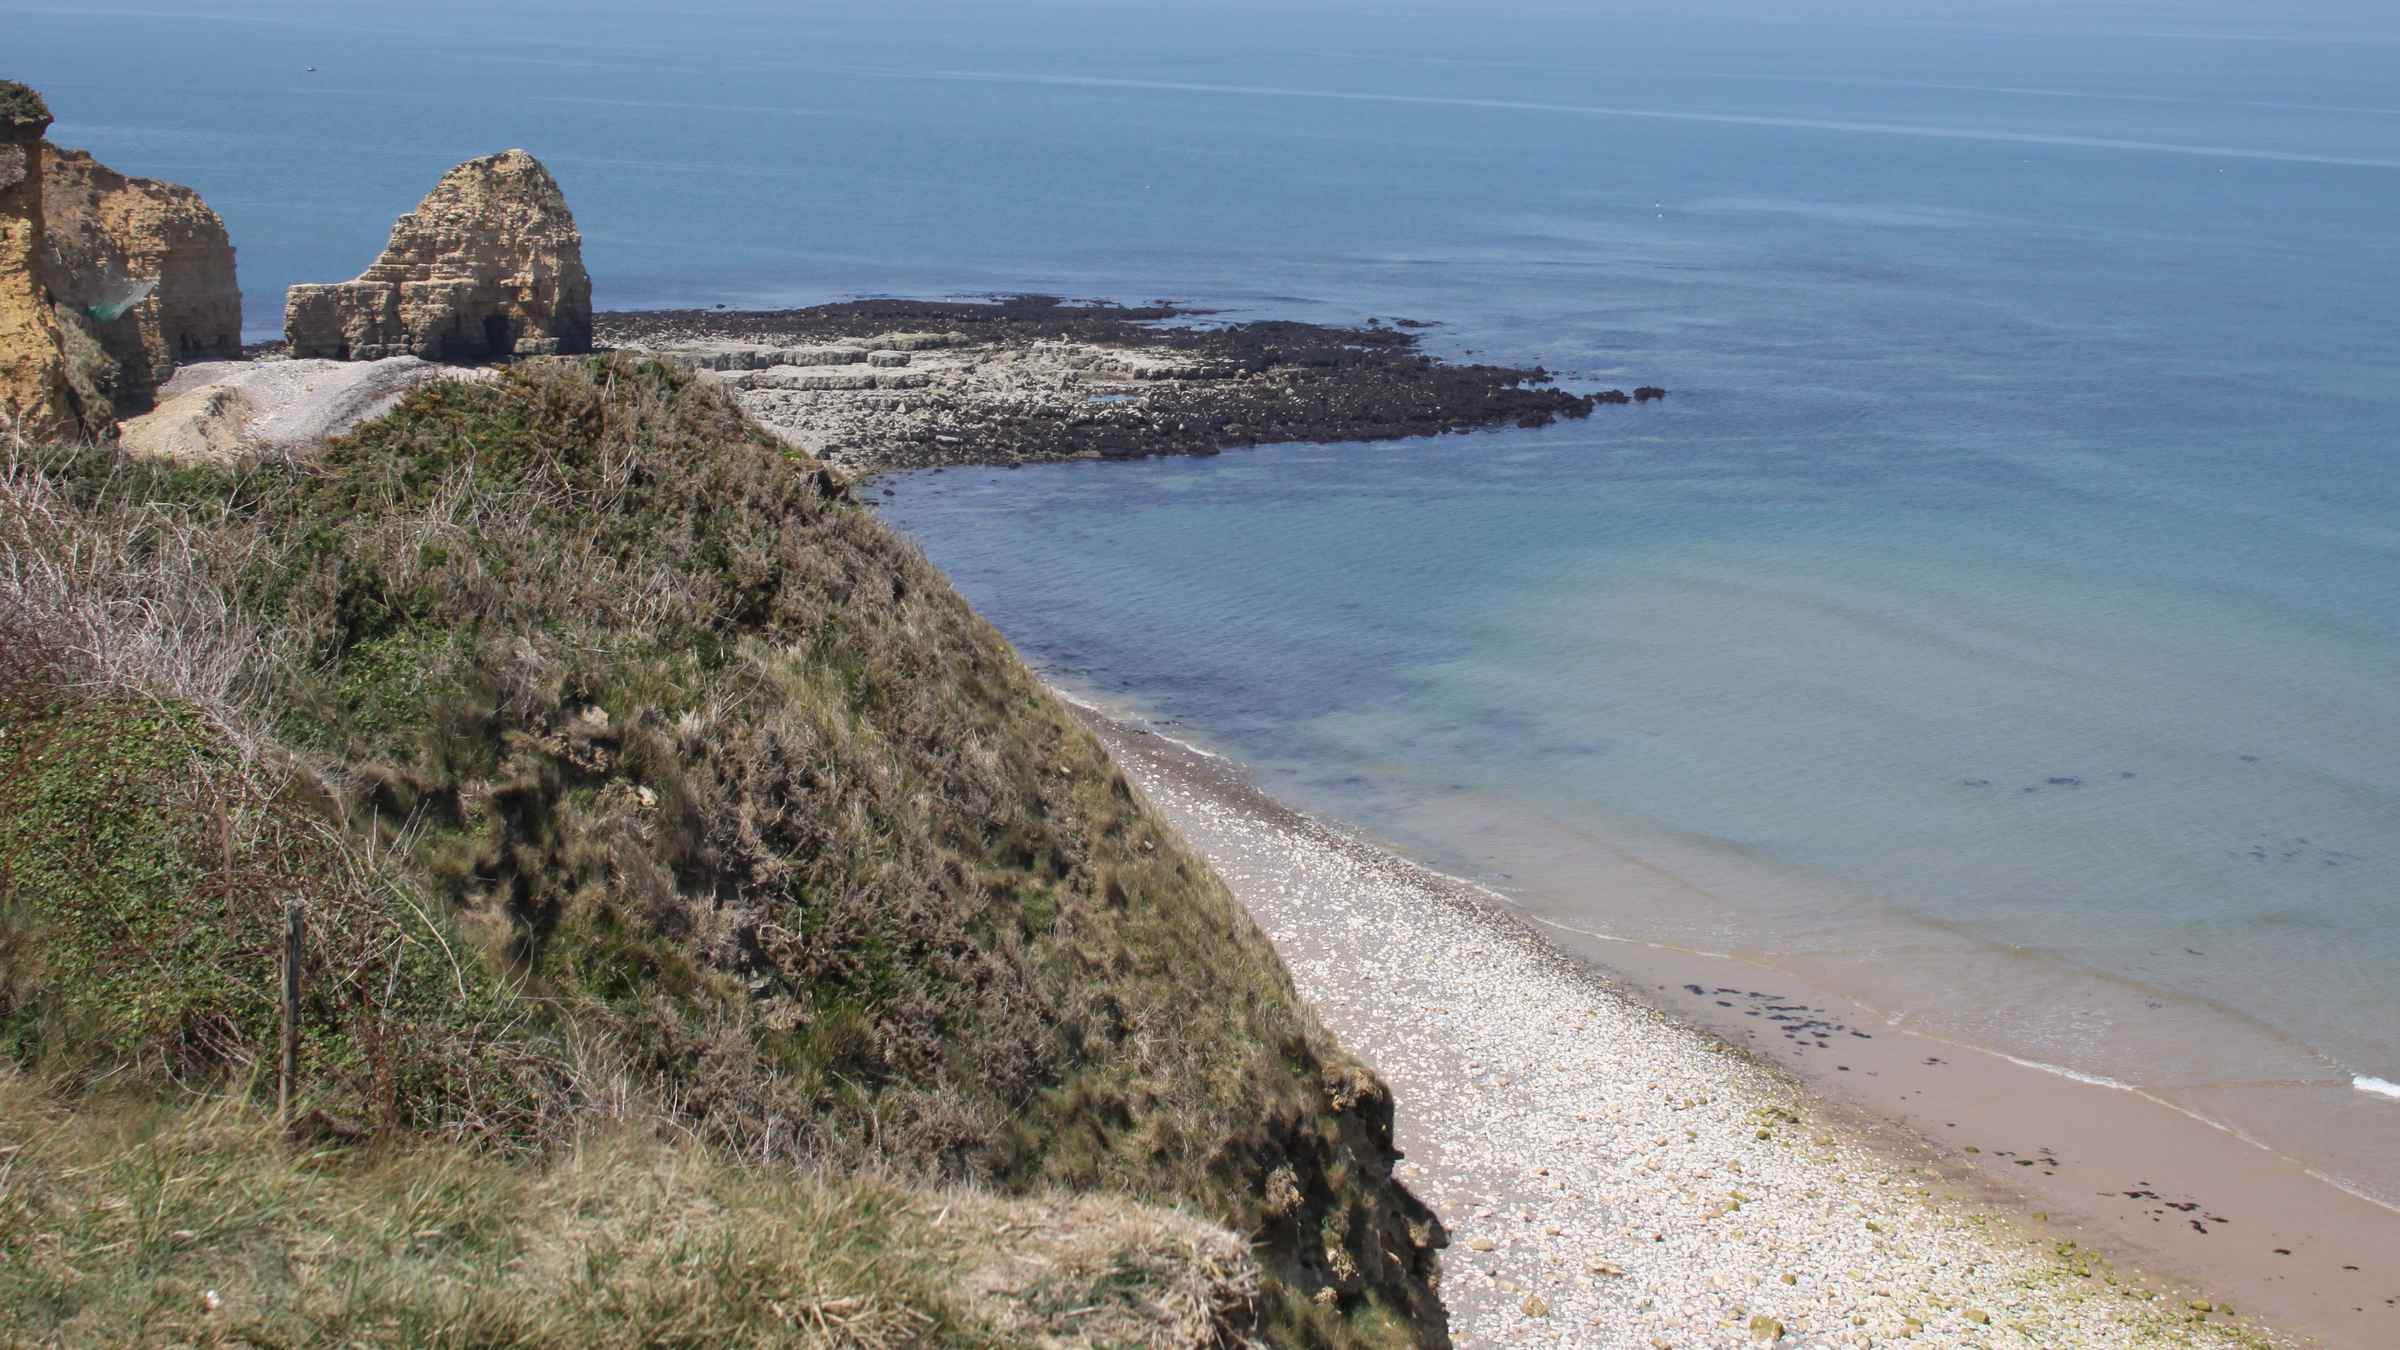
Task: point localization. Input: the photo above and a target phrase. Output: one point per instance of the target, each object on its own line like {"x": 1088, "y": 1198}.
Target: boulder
{"x": 36, "y": 398}
{"x": 488, "y": 265}
{"x": 144, "y": 266}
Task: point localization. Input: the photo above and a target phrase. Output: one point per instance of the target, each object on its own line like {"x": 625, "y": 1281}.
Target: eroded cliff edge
{"x": 34, "y": 393}
{"x": 106, "y": 282}
{"x": 146, "y": 264}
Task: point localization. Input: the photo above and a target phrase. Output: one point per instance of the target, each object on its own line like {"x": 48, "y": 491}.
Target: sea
{"x": 2000, "y": 617}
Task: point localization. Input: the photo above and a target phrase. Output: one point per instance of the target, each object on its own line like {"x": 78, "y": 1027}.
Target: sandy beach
{"x": 1613, "y": 1173}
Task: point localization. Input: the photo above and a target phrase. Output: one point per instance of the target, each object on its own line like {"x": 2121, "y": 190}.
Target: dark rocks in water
{"x": 1612, "y": 396}
{"x": 1260, "y": 382}
{"x": 1647, "y": 393}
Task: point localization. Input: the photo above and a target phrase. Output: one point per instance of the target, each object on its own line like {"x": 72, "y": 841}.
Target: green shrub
{"x": 144, "y": 874}
{"x": 22, "y": 103}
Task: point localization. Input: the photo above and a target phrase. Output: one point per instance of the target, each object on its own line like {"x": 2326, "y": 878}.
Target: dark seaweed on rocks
{"x": 1260, "y": 382}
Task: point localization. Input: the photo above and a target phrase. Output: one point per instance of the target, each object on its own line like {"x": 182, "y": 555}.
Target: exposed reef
{"x": 875, "y": 384}
{"x": 489, "y": 264}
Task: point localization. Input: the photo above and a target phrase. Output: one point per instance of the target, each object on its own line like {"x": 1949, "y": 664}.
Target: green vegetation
{"x": 91, "y": 373}
{"x": 626, "y": 772}
{"x": 22, "y": 103}
{"x": 141, "y": 924}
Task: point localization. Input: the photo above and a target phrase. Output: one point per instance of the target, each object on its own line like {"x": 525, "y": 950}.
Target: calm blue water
{"x": 2036, "y": 417}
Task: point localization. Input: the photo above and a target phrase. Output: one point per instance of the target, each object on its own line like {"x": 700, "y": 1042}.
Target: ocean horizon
{"x": 1999, "y": 619}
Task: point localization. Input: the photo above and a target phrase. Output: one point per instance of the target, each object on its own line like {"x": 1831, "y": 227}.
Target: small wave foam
{"x": 1182, "y": 744}
{"x": 2381, "y": 1087}
{"x": 2095, "y": 1080}
{"x": 1129, "y": 717}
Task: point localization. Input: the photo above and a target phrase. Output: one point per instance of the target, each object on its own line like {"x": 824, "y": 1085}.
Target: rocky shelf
{"x": 893, "y": 384}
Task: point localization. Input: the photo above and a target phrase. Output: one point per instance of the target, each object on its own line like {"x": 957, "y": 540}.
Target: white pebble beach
{"x": 1608, "y": 1176}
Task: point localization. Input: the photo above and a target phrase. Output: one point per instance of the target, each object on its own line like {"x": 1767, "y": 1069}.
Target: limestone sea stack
{"x": 488, "y": 265}
{"x": 145, "y": 265}
{"x": 35, "y": 397}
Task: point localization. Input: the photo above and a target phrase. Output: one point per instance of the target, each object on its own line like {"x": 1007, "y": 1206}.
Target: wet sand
{"x": 2145, "y": 1172}
{"x": 2154, "y": 1187}
{"x": 1584, "y": 1113}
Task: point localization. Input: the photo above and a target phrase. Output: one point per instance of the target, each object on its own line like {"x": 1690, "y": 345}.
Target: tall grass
{"x": 194, "y": 1223}
{"x": 130, "y": 596}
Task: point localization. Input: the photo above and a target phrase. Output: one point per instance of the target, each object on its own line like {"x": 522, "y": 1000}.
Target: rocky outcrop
{"x": 874, "y": 384}
{"x": 106, "y": 282}
{"x": 145, "y": 267}
{"x": 35, "y": 396}
{"x": 489, "y": 264}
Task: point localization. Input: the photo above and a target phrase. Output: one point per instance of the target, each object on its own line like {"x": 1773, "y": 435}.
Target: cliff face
{"x": 34, "y": 393}
{"x": 489, "y": 264}
{"x": 145, "y": 264}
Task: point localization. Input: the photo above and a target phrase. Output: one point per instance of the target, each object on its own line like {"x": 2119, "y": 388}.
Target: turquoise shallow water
{"x": 2016, "y": 563}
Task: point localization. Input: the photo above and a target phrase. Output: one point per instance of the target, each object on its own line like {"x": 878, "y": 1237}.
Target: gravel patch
{"x": 1608, "y": 1176}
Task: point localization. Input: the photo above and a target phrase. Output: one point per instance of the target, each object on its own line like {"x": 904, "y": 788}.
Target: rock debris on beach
{"x": 1610, "y": 1177}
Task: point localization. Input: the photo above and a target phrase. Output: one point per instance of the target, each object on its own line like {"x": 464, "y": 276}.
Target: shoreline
{"x": 1336, "y": 904}
{"x": 2284, "y": 1164}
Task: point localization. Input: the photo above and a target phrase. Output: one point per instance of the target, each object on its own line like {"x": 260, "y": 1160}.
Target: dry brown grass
{"x": 195, "y": 1224}
{"x": 134, "y": 598}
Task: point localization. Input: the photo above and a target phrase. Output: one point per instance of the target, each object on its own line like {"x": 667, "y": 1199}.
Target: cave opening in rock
{"x": 497, "y": 341}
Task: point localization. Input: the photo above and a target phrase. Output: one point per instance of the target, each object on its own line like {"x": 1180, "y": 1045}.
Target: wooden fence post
{"x": 288, "y": 1079}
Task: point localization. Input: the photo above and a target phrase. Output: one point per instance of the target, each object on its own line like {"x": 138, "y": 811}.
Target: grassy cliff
{"x": 629, "y": 773}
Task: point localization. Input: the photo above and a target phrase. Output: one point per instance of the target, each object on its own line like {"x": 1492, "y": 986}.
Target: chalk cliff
{"x": 34, "y": 393}
{"x": 489, "y": 264}
{"x": 145, "y": 265}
